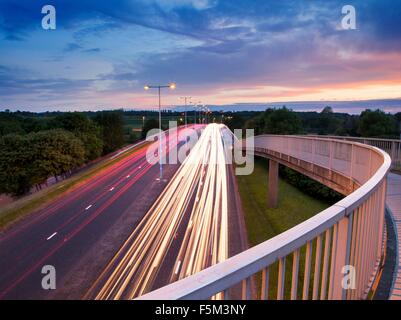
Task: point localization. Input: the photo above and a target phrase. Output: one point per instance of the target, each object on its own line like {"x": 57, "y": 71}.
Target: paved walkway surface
{"x": 394, "y": 203}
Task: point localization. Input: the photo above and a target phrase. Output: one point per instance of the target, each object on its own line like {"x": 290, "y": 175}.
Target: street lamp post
{"x": 171, "y": 86}
{"x": 202, "y": 114}
{"x": 197, "y": 106}
{"x": 185, "y": 112}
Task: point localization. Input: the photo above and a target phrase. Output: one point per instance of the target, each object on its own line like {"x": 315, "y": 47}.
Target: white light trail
{"x": 198, "y": 188}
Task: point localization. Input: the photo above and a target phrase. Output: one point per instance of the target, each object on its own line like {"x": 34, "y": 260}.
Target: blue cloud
{"x": 203, "y": 43}
{"x": 72, "y": 47}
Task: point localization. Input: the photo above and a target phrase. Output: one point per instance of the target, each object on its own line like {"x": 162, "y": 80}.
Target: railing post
{"x": 340, "y": 257}
{"x": 393, "y": 153}
{"x": 382, "y": 208}
{"x": 246, "y": 289}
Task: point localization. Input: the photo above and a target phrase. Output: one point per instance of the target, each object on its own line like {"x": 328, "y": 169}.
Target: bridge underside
{"x": 330, "y": 178}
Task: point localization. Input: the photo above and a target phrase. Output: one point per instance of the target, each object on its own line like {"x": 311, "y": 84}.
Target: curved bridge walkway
{"x": 393, "y": 198}
{"x": 347, "y": 233}
{"x": 393, "y": 201}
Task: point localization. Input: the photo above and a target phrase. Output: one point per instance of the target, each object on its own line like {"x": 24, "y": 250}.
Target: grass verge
{"x": 27, "y": 205}
{"x": 263, "y": 223}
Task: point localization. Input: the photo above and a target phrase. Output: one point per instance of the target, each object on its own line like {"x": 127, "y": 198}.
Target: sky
{"x": 220, "y": 52}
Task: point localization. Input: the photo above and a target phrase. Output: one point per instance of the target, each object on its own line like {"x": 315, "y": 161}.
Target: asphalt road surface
{"x": 186, "y": 229}
{"x": 124, "y": 233}
{"x": 79, "y": 233}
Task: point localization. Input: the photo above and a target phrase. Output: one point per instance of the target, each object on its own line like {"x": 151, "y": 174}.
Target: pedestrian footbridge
{"x": 315, "y": 256}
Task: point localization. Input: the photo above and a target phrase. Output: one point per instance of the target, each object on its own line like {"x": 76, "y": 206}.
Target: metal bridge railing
{"x": 391, "y": 146}
{"x": 335, "y": 254}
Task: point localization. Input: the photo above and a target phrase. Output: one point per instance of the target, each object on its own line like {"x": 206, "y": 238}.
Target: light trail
{"x": 202, "y": 176}
{"x": 73, "y": 224}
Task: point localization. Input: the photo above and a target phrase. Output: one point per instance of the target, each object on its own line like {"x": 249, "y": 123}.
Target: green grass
{"x": 25, "y": 206}
{"x": 263, "y": 223}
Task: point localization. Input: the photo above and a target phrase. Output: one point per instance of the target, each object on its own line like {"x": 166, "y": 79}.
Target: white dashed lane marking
{"x": 48, "y": 238}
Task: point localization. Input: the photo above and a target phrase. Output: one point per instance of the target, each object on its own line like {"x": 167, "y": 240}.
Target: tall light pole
{"x": 171, "y": 86}
{"x": 202, "y": 116}
{"x": 197, "y": 106}
{"x": 185, "y": 112}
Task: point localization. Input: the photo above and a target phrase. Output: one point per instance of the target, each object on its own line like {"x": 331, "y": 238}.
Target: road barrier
{"x": 334, "y": 255}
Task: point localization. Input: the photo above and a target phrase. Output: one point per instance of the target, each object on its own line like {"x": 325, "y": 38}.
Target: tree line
{"x": 34, "y": 147}
{"x": 370, "y": 123}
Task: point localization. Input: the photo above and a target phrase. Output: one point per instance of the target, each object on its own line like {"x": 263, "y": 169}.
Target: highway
{"x": 186, "y": 229}
{"x": 81, "y": 231}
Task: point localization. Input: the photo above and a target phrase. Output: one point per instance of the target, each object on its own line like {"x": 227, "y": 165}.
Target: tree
{"x": 56, "y": 152}
{"x": 377, "y": 124}
{"x": 282, "y": 121}
{"x": 149, "y": 125}
{"x": 15, "y": 161}
{"x": 85, "y": 129}
{"x": 234, "y": 121}
{"x": 9, "y": 123}
{"x": 398, "y": 119}
{"x": 326, "y": 122}
{"x": 111, "y": 124}
{"x": 398, "y": 116}
{"x": 28, "y": 160}
{"x": 256, "y": 123}
{"x": 327, "y": 110}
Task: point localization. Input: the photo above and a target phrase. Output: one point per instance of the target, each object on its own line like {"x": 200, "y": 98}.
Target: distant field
{"x": 263, "y": 223}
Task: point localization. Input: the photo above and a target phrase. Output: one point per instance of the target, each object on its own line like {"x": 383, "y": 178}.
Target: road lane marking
{"x": 213, "y": 249}
{"x": 88, "y": 207}
{"x": 48, "y": 238}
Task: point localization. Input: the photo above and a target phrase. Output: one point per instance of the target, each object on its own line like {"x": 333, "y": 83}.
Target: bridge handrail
{"x": 348, "y": 233}
{"x": 391, "y": 146}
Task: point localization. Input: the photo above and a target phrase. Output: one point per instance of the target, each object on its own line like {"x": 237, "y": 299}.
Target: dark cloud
{"x": 72, "y": 47}
{"x": 18, "y": 81}
{"x": 92, "y": 50}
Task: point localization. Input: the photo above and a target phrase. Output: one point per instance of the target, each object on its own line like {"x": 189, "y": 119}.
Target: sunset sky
{"x": 102, "y": 53}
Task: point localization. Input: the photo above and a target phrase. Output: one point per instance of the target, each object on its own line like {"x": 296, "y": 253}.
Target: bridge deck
{"x": 394, "y": 203}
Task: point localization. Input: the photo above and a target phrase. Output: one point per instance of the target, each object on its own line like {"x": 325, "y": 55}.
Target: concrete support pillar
{"x": 273, "y": 184}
